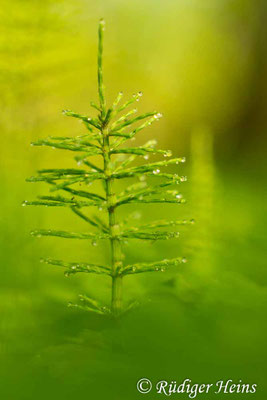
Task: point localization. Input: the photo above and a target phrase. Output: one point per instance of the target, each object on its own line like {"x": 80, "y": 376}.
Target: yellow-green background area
{"x": 203, "y": 65}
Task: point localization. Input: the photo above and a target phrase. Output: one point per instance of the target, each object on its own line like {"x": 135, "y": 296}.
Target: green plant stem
{"x": 116, "y": 252}
{"x": 100, "y": 68}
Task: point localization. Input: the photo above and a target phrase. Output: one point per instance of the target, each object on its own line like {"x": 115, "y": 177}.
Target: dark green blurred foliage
{"x": 204, "y": 66}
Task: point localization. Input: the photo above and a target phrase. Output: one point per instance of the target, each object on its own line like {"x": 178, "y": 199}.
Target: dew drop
{"x": 73, "y": 267}
{"x": 133, "y": 269}
{"x": 140, "y": 94}
{"x": 179, "y": 196}
{"x": 67, "y": 274}
{"x": 183, "y": 179}
{"x": 158, "y": 116}
{"x": 192, "y": 221}
{"x": 94, "y": 243}
{"x": 184, "y": 260}
{"x": 146, "y": 157}
{"x": 163, "y": 270}
{"x": 24, "y": 203}
{"x": 168, "y": 153}
{"x": 183, "y": 159}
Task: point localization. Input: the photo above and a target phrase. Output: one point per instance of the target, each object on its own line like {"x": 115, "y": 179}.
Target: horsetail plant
{"x": 105, "y": 137}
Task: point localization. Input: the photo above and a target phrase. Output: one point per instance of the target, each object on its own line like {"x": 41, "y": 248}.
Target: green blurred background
{"x": 203, "y": 65}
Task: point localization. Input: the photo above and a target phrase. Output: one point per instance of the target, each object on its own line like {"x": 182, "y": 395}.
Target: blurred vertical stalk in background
{"x": 203, "y": 192}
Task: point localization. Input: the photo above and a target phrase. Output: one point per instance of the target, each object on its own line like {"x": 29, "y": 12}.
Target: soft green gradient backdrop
{"x": 203, "y": 64}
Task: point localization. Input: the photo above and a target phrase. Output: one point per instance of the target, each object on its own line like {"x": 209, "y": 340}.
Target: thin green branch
{"x": 86, "y": 119}
{"x": 88, "y": 220}
{"x": 59, "y": 201}
{"x": 164, "y": 224}
{"x": 159, "y": 266}
{"x": 65, "y": 145}
{"x": 143, "y": 235}
{"x": 70, "y": 235}
{"x": 75, "y": 267}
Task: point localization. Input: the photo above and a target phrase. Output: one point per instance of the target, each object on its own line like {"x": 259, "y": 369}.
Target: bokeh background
{"x": 203, "y": 65}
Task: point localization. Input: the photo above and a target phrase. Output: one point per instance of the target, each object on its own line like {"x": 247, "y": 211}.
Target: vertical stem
{"x": 100, "y": 67}
{"x": 116, "y": 253}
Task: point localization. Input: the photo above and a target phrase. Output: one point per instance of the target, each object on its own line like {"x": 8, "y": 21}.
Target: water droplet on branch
{"x": 158, "y": 116}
